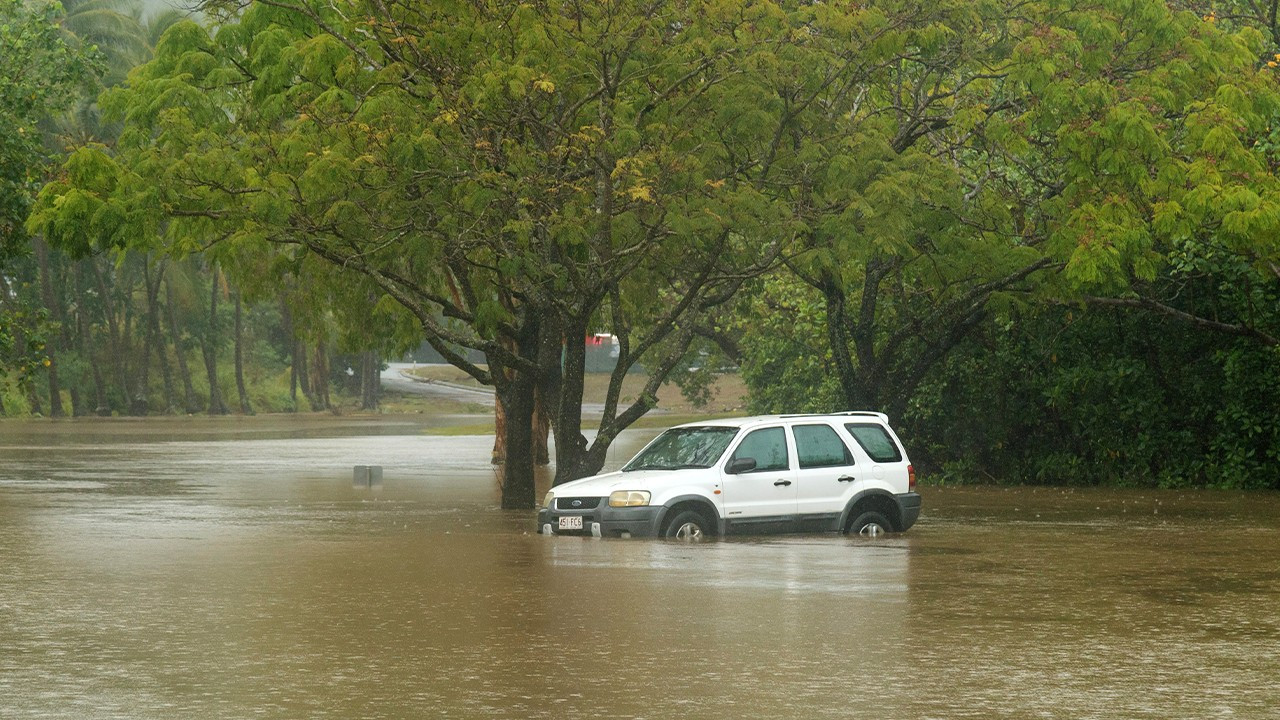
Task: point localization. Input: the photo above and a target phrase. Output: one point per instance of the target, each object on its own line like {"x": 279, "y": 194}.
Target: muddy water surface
{"x": 229, "y": 569}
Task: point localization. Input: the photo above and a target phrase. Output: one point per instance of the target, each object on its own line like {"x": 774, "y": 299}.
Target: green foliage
{"x": 39, "y": 76}
{"x": 786, "y": 363}
{"x": 1146, "y": 127}
{"x": 23, "y": 325}
{"x": 1127, "y": 144}
{"x": 1103, "y": 397}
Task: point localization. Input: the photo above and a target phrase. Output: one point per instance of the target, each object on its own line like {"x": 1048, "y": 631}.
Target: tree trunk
{"x": 516, "y": 395}
{"x": 88, "y": 348}
{"x": 245, "y": 407}
{"x": 153, "y": 328}
{"x": 189, "y": 403}
{"x": 210, "y": 349}
{"x": 142, "y": 381}
{"x": 499, "y": 453}
{"x": 4, "y": 303}
{"x": 541, "y": 425}
{"x": 838, "y": 339}
{"x": 541, "y": 429}
{"x": 286, "y": 319}
{"x": 320, "y": 379}
{"x": 117, "y": 359}
{"x": 69, "y": 322}
{"x": 302, "y": 366}
{"x": 370, "y": 382}
{"x": 33, "y": 398}
{"x": 566, "y": 355}
{"x": 51, "y": 351}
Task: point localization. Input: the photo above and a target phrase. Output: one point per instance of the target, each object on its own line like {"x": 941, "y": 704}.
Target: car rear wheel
{"x": 688, "y": 526}
{"x": 869, "y": 524}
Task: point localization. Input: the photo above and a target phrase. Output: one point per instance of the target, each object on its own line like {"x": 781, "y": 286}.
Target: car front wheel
{"x": 869, "y": 524}
{"x": 688, "y": 526}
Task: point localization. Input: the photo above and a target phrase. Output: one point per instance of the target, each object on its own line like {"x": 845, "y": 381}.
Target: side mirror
{"x": 741, "y": 465}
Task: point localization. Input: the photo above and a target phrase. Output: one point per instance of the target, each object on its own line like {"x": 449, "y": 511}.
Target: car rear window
{"x": 873, "y": 438}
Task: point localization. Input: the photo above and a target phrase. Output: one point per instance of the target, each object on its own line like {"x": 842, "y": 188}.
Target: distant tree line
{"x": 1044, "y": 236}
{"x": 133, "y": 330}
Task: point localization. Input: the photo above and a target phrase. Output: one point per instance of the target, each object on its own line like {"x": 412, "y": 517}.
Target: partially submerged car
{"x": 846, "y": 472}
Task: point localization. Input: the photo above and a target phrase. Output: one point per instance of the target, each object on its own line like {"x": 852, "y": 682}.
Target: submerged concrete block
{"x": 366, "y": 476}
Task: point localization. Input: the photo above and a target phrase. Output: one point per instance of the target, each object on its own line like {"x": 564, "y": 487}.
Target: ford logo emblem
{"x": 576, "y": 503}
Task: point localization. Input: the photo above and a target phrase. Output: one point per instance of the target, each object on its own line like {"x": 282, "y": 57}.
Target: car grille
{"x": 577, "y": 503}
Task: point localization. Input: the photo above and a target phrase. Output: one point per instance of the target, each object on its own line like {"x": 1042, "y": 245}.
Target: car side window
{"x": 818, "y": 446}
{"x": 873, "y": 438}
{"x": 768, "y": 447}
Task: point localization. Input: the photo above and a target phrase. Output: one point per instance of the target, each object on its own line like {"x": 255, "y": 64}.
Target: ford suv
{"x": 846, "y": 473}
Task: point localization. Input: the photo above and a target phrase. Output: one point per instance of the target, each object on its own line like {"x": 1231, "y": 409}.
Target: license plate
{"x": 571, "y": 522}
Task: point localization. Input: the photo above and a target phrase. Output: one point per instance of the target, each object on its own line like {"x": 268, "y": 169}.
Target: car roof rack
{"x": 866, "y": 413}
{"x": 847, "y": 413}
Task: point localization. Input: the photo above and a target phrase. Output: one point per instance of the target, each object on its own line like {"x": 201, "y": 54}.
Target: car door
{"x": 825, "y": 476}
{"x": 762, "y": 498}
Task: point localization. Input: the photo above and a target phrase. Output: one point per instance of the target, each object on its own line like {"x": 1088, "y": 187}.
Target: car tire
{"x": 869, "y": 523}
{"x": 689, "y": 526}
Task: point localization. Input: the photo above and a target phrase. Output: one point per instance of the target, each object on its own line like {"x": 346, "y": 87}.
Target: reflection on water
{"x": 212, "y": 572}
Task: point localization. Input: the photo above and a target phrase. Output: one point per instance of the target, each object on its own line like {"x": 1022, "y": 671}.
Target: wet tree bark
{"x": 33, "y": 399}
{"x": 563, "y": 354}
{"x": 286, "y": 319}
{"x": 189, "y": 403}
{"x": 320, "y": 378}
{"x": 154, "y": 332}
{"x": 50, "y": 349}
{"x": 88, "y": 347}
{"x": 302, "y": 369}
{"x": 117, "y": 359}
{"x": 516, "y": 395}
{"x": 17, "y": 331}
{"x": 140, "y": 404}
{"x": 136, "y": 403}
{"x": 370, "y": 382}
{"x": 245, "y": 407}
{"x": 69, "y": 321}
{"x": 210, "y": 349}
{"x": 541, "y": 431}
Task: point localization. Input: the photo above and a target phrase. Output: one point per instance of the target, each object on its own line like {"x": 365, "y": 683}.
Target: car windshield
{"x": 687, "y": 447}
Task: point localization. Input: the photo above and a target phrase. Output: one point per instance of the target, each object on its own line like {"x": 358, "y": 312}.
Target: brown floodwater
{"x": 227, "y": 568}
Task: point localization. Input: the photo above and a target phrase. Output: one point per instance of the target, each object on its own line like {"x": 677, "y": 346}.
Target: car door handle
{"x": 781, "y": 483}
{"x": 846, "y": 478}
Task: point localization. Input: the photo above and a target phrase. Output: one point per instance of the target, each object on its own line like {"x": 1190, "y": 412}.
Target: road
{"x": 396, "y": 379}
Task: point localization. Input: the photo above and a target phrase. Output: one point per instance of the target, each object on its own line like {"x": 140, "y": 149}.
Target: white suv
{"x": 779, "y": 473}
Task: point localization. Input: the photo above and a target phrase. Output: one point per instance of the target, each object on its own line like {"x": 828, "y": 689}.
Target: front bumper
{"x": 604, "y": 521}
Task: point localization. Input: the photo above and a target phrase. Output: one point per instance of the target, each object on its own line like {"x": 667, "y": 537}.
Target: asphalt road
{"x": 396, "y": 379}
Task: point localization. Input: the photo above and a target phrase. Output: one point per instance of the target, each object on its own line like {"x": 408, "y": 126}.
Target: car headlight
{"x": 550, "y": 498}
{"x": 628, "y": 498}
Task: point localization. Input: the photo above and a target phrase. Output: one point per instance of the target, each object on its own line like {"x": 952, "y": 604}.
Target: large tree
{"x": 515, "y": 176}
{"x": 1081, "y": 152}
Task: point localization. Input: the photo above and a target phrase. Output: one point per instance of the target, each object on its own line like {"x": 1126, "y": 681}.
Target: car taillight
{"x": 911, "y": 478}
